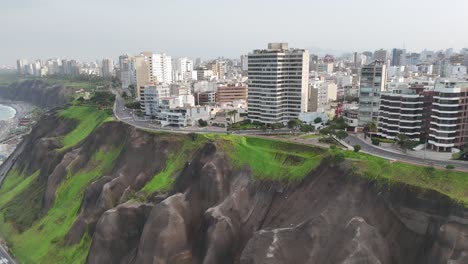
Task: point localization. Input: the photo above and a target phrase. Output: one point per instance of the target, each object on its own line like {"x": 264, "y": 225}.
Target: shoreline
{"x": 10, "y": 127}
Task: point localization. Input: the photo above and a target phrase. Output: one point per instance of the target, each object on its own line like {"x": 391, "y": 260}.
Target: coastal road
{"x": 373, "y": 150}
{"x": 5, "y": 257}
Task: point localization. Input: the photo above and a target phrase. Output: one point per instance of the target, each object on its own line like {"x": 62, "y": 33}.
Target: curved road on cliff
{"x": 126, "y": 116}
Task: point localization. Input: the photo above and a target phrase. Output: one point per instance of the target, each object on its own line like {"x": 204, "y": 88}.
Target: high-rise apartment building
{"x": 20, "y": 65}
{"x": 107, "y": 68}
{"x": 218, "y": 68}
{"x": 152, "y": 68}
{"x": 127, "y": 70}
{"x": 162, "y": 68}
{"x": 397, "y": 55}
{"x": 381, "y": 55}
{"x": 373, "y": 80}
{"x": 278, "y": 83}
{"x": 449, "y": 116}
{"x": 401, "y": 112}
{"x": 143, "y": 71}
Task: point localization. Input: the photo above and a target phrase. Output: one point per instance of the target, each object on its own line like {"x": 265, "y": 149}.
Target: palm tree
{"x": 233, "y": 113}
{"x": 369, "y": 127}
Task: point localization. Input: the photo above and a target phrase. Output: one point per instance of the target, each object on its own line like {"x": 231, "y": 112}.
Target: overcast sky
{"x": 91, "y": 29}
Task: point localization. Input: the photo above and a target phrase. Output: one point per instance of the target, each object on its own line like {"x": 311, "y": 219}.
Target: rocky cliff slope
{"x": 38, "y": 93}
{"x": 110, "y": 193}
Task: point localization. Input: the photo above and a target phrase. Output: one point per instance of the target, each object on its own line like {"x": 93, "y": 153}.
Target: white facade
{"x": 278, "y": 83}
{"x": 162, "y": 68}
{"x": 179, "y": 68}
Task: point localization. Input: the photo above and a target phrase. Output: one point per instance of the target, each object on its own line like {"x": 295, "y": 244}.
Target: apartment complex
{"x": 449, "y": 116}
{"x": 232, "y": 92}
{"x": 402, "y": 112}
{"x": 152, "y": 68}
{"x": 278, "y": 83}
{"x": 373, "y": 80}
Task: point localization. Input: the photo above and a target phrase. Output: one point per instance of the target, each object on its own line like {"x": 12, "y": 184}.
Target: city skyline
{"x": 186, "y": 28}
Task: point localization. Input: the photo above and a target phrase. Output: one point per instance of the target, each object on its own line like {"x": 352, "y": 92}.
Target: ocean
{"x": 6, "y": 112}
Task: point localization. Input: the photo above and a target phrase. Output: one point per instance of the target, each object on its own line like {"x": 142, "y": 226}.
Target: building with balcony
{"x": 402, "y": 112}
{"x": 449, "y": 115}
{"x": 278, "y": 83}
{"x": 373, "y": 80}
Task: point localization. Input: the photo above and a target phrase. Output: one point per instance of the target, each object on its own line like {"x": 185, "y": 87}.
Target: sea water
{"x": 6, "y": 112}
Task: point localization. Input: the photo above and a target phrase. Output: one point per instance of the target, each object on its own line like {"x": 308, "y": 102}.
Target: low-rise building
{"x": 231, "y": 93}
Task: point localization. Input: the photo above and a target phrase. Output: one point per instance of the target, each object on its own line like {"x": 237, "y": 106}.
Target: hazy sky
{"x": 91, "y": 29}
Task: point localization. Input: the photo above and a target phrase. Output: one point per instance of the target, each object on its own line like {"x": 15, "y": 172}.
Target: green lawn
{"x": 88, "y": 119}
{"x": 43, "y": 242}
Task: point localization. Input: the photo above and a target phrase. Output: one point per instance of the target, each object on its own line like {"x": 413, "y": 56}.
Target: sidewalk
{"x": 423, "y": 154}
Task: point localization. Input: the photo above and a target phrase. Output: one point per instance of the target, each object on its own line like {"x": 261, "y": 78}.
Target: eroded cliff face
{"x": 219, "y": 213}
{"x": 38, "y": 93}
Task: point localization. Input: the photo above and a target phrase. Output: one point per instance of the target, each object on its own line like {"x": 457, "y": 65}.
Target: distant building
{"x": 107, "y": 68}
{"x": 278, "y": 83}
{"x": 230, "y": 93}
{"x": 397, "y": 57}
{"x": 127, "y": 71}
{"x": 381, "y": 55}
{"x": 373, "y": 80}
{"x": 20, "y": 66}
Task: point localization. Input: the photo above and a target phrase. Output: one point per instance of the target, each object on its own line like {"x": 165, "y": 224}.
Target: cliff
{"x": 105, "y": 192}
{"x": 38, "y": 93}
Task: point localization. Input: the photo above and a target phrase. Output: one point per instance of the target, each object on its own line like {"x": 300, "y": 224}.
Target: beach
{"x": 10, "y": 130}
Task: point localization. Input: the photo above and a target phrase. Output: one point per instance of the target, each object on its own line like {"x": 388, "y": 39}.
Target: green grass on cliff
{"x": 452, "y": 183}
{"x": 14, "y": 183}
{"x": 272, "y": 159}
{"x": 43, "y": 242}
{"x": 164, "y": 180}
{"x": 88, "y": 118}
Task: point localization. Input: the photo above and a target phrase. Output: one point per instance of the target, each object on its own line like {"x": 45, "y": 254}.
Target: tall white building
{"x": 373, "y": 80}
{"x": 278, "y": 83}
{"x": 162, "y": 68}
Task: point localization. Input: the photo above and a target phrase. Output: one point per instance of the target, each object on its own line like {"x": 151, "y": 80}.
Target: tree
{"x": 368, "y": 128}
{"x": 404, "y": 142}
{"x": 357, "y": 148}
{"x": 233, "y": 113}
{"x": 294, "y": 123}
{"x": 325, "y": 131}
{"x": 341, "y": 134}
{"x": 202, "y": 123}
{"x": 317, "y": 120}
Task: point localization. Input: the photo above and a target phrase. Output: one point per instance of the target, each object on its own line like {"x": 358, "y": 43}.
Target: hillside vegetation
{"x": 37, "y": 236}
